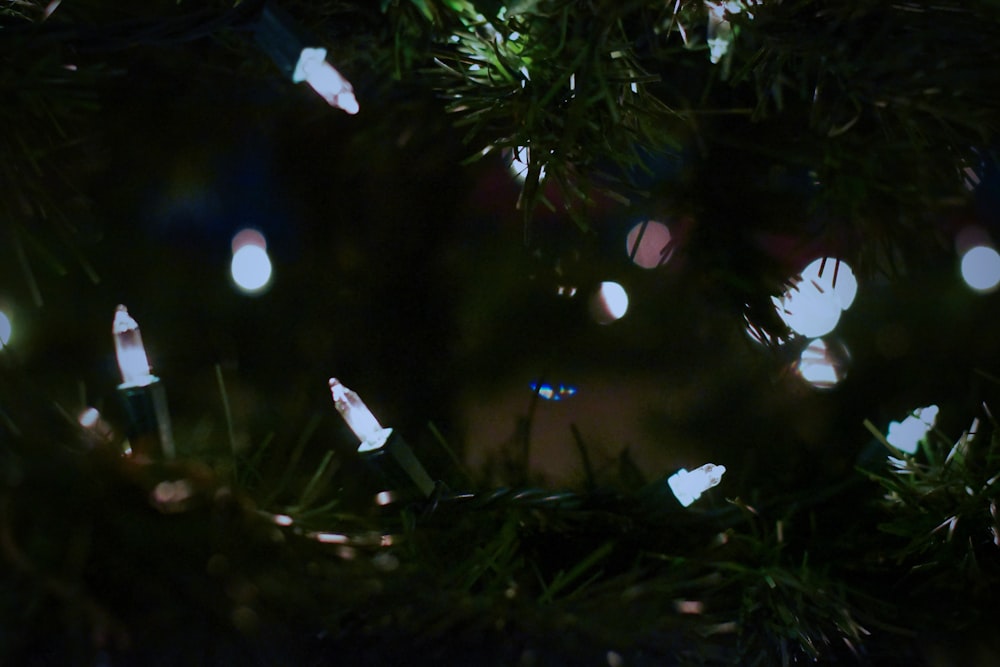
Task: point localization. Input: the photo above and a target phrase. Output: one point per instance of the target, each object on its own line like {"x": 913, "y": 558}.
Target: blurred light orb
{"x": 609, "y": 303}
{"x": 251, "y": 265}
{"x": 981, "y": 268}
{"x": 812, "y": 306}
{"x": 906, "y": 435}
{"x": 88, "y": 417}
{"x": 821, "y": 365}
{"x": 5, "y": 329}
{"x": 649, "y": 244}
{"x": 518, "y": 161}
{"x": 551, "y": 392}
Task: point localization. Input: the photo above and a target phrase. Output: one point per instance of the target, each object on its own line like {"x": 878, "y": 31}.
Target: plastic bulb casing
{"x": 358, "y": 417}
{"x": 129, "y": 350}
{"x": 688, "y": 486}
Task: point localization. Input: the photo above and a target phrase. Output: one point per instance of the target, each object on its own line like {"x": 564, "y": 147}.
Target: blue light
{"x": 552, "y": 392}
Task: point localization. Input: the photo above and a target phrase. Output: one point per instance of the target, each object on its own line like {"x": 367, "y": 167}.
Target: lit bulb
{"x": 358, "y": 417}
{"x": 812, "y": 306}
{"x": 907, "y": 435}
{"x": 822, "y": 365}
{"x": 5, "y": 329}
{"x": 132, "y": 359}
{"x": 720, "y": 30}
{"x": 609, "y": 303}
{"x": 313, "y": 68}
{"x": 251, "y": 266}
{"x": 688, "y": 486}
{"x": 649, "y": 244}
{"x": 981, "y": 268}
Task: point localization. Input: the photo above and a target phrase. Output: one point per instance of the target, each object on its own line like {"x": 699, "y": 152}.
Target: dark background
{"x": 405, "y": 274}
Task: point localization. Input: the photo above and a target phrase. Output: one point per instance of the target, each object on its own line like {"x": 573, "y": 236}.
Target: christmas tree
{"x": 687, "y": 313}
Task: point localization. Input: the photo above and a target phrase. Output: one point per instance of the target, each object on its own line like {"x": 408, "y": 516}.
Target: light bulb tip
{"x": 123, "y": 322}
{"x": 337, "y": 390}
{"x": 348, "y": 103}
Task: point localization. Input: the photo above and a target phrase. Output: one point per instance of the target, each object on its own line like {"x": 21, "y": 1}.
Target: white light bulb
{"x": 132, "y": 360}
{"x": 812, "y": 306}
{"x": 609, "y": 303}
{"x": 358, "y": 417}
{"x": 821, "y": 366}
{"x": 5, "y": 329}
{"x": 688, "y": 486}
{"x": 323, "y": 77}
{"x": 981, "y": 268}
{"x": 906, "y": 435}
{"x": 251, "y": 268}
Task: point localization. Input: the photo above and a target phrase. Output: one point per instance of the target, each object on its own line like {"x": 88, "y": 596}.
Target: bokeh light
{"x": 981, "y": 268}
{"x": 609, "y": 303}
{"x": 5, "y": 329}
{"x": 822, "y": 365}
{"x": 812, "y": 306}
{"x": 251, "y": 265}
{"x": 551, "y": 392}
{"x": 649, "y": 244}
{"x": 518, "y": 160}
{"x": 906, "y": 435}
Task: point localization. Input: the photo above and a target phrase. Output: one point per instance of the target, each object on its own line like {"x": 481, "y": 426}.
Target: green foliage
{"x": 942, "y": 506}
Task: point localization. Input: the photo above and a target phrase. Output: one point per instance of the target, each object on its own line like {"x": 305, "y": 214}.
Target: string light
{"x": 5, "y": 329}
{"x": 141, "y": 392}
{"x": 380, "y": 446}
{"x": 822, "y": 364}
{"x": 609, "y": 303}
{"x": 906, "y": 435}
{"x": 981, "y": 268}
{"x": 552, "y": 392}
{"x": 813, "y": 304}
{"x": 687, "y": 486}
{"x": 251, "y": 265}
{"x": 649, "y": 244}
{"x": 98, "y": 431}
{"x": 279, "y": 36}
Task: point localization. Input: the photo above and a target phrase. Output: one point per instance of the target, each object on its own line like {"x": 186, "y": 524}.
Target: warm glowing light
{"x": 609, "y": 303}
{"x": 172, "y": 493}
{"x": 649, "y": 244}
{"x": 812, "y": 306}
{"x": 822, "y": 366}
{"x": 689, "y": 606}
{"x": 981, "y": 268}
{"x": 5, "y": 329}
{"x": 251, "y": 268}
{"x": 688, "y": 486}
{"x": 132, "y": 359}
{"x": 907, "y": 435}
{"x": 358, "y": 417}
{"x": 325, "y": 80}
